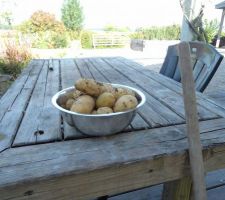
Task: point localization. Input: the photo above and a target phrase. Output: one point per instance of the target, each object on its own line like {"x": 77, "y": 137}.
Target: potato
{"x": 119, "y": 92}
{"x": 105, "y": 87}
{"x": 76, "y": 94}
{"x": 106, "y": 99}
{"x": 63, "y": 106}
{"x": 124, "y": 103}
{"x": 83, "y": 104}
{"x": 88, "y": 86}
{"x": 69, "y": 103}
{"x": 94, "y": 112}
{"x": 69, "y": 95}
{"x": 104, "y": 110}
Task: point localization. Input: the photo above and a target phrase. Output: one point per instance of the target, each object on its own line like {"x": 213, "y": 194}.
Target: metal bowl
{"x": 100, "y": 124}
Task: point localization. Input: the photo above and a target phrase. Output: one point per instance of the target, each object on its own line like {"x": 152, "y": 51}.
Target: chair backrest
{"x": 205, "y": 61}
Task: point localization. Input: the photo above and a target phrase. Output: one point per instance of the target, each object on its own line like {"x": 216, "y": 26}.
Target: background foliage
{"x": 72, "y": 15}
{"x": 14, "y": 58}
{"x": 47, "y": 31}
{"x": 42, "y": 21}
{"x": 86, "y": 39}
{"x": 159, "y": 33}
{"x": 211, "y": 28}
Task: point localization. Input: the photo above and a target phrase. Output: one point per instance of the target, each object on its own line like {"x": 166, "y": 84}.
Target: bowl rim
{"x": 140, "y": 93}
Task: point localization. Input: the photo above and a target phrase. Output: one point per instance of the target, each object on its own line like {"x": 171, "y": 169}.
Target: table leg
{"x": 179, "y": 189}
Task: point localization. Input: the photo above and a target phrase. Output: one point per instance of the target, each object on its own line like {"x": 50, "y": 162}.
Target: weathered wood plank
{"x": 220, "y": 101}
{"x": 202, "y": 100}
{"x": 133, "y": 160}
{"x": 155, "y": 113}
{"x": 178, "y": 189}
{"x": 85, "y": 73}
{"x": 49, "y": 120}
{"x": 162, "y": 93}
{"x": 15, "y": 89}
{"x": 12, "y": 117}
{"x": 69, "y": 74}
{"x": 41, "y": 122}
{"x": 192, "y": 124}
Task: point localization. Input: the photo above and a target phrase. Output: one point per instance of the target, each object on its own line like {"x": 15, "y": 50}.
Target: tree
{"x": 6, "y": 18}
{"x": 41, "y": 21}
{"x": 72, "y": 15}
{"x": 6, "y": 14}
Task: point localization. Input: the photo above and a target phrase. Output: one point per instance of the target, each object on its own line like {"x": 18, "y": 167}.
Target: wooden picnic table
{"x": 44, "y": 158}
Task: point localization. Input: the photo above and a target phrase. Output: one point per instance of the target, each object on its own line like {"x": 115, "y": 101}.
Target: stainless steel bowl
{"x": 101, "y": 124}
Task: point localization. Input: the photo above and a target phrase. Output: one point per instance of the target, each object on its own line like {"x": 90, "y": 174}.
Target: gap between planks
{"x": 202, "y": 100}
{"x": 154, "y": 118}
{"x": 15, "y": 112}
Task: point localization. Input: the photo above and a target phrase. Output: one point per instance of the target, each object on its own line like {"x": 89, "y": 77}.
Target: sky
{"x": 122, "y": 13}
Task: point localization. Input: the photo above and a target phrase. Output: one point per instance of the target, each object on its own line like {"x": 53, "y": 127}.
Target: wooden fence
{"x": 110, "y": 39}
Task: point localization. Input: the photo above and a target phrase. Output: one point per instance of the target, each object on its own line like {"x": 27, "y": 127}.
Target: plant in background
{"x": 73, "y": 35}
{"x": 211, "y": 29}
{"x": 50, "y": 40}
{"x": 112, "y": 28}
{"x": 86, "y": 39}
{"x": 158, "y": 33}
{"x": 72, "y": 15}
{"x": 14, "y": 57}
{"x": 45, "y": 31}
{"x": 59, "y": 40}
{"x": 6, "y": 13}
{"x": 42, "y": 21}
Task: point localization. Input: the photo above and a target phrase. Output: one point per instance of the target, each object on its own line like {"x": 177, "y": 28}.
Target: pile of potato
{"x": 92, "y": 97}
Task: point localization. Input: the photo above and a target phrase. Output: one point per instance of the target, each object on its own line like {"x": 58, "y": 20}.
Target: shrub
{"x": 14, "y": 58}
{"x": 41, "y": 21}
{"x": 49, "y": 40}
{"x": 86, "y": 39}
{"x": 73, "y": 35}
{"x": 45, "y": 31}
{"x": 159, "y": 33}
{"x": 59, "y": 40}
{"x": 211, "y": 29}
{"x": 112, "y": 28}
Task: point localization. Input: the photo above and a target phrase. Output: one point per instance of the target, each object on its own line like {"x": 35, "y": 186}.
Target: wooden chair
{"x": 205, "y": 61}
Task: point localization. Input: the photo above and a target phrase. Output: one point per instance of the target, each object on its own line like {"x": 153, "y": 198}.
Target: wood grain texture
{"x": 93, "y": 167}
{"x": 41, "y": 122}
{"x": 153, "y": 112}
{"x": 69, "y": 74}
{"x": 202, "y": 100}
{"x": 12, "y": 93}
{"x": 162, "y": 93}
{"x": 12, "y": 111}
{"x": 178, "y": 189}
{"x": 195, "y": 148}
{"x": 138, "y": 122}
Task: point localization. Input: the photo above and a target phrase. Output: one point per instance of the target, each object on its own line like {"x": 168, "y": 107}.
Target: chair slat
{"x": 197, "y": 70}
{"x": 205, "y": 61}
